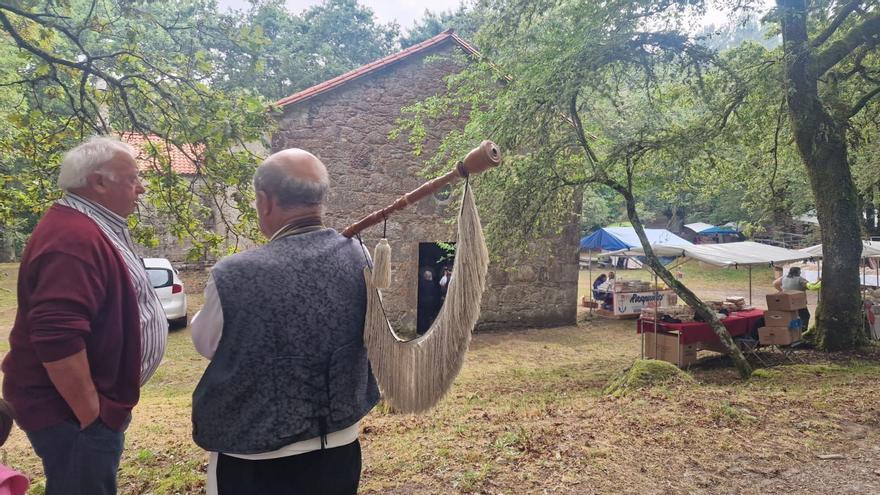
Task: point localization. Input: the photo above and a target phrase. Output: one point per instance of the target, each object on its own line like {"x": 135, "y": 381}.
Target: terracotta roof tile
{"x": 374, "y": 66}
{"x": 181, "y": 162}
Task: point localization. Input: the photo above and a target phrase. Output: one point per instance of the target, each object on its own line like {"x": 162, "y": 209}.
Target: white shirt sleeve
{"x": 207, "y": 324}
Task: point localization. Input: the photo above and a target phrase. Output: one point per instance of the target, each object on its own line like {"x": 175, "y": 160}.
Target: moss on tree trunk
{"x": 821, "y": 142}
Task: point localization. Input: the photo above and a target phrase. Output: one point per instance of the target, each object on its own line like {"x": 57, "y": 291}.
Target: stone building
{"x": 183, "y": 164}
{"x": 346, "y": 121}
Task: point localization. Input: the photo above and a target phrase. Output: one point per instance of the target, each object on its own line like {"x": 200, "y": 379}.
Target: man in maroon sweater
{"x": 89, "y": 330}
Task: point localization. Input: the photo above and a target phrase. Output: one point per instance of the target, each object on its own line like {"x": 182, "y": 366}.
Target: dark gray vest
{"x": 291, "y": 363}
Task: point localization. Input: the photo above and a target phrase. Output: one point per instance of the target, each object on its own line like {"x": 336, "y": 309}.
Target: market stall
{"x": 679, "y": 342}
{"x": 666, "y": 342}
{"x": 746, "y": 254}
{"x": 627, "y": 298}
{"x": 691, "y": 332}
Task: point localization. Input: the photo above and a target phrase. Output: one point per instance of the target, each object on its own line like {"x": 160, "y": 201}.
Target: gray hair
{"x": 88, "y": 158}
{"x": 290, "y": 191}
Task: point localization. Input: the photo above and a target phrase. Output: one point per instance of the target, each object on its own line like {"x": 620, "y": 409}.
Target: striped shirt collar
{"x": 113, "y": 222}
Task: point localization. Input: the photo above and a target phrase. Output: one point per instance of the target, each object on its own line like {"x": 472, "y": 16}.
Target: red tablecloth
{"x": 737, "y": 324}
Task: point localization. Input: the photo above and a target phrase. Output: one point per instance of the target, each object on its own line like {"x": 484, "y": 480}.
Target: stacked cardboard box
{"x": 783, "y": 324}
{"x": 668, "y": 348}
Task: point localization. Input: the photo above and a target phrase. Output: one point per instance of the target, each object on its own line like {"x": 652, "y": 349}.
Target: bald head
{"x": 293, "y": 178}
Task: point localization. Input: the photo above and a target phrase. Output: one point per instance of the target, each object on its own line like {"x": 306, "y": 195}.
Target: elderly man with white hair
{"x": 89, "y": 330}
{"x": 280, "y": 404}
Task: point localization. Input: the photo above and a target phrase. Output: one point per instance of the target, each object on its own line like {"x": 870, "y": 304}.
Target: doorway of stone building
{"x": 435, "y": 269}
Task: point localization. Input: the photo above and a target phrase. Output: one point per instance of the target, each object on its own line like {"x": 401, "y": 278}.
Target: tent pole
{"x": 750, "y": 285}
{"x": 864, "y": 280}
{"x": 590, "y": 279}
{"x": 656, "y": 289}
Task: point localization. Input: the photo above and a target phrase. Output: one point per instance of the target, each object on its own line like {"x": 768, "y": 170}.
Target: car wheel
{"x": 179, "y": 322}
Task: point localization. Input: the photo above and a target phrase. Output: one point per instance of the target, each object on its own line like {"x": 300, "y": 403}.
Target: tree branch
{"x": 579, "y": 130}
{"x": 836, "y": 22}
{"x": 867, "y": 33}
{"x": 863, "y": 101}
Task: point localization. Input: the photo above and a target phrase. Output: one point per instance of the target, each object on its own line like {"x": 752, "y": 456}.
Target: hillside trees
{"x": 288, "y": 52}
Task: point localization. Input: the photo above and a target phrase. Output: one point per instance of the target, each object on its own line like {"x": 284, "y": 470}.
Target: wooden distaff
{"x": 483, "y": 157}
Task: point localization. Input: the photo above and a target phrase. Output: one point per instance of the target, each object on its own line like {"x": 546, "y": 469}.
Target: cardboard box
{"x": 714, "y": 346}
{"x": 784, "y": 319}
{"x": 668, "y": 349}
{"x": 787, "y": 301}
{"x": 778, "y": 335}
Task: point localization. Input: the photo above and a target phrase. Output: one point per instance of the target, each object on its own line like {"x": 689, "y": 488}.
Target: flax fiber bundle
{"x": 414, "y": 375}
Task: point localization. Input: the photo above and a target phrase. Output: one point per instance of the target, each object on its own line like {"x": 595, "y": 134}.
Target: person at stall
{"x": 795, "y": 282}
{"x": 598, "y": 292}
{"x": 607, "y": 292}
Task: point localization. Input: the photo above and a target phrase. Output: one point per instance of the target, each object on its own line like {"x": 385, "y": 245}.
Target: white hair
{"x": 88, "y": 158}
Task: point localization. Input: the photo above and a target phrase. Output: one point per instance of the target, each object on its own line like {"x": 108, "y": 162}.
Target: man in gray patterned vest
{"x": 280, "y": 404}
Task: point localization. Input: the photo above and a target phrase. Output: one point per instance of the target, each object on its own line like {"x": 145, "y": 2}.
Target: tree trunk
{"x": 821, "y": 142}
{"x": 700, "y": 308}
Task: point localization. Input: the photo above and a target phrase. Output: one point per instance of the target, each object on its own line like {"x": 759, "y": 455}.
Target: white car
{"x": 169, "y": 287}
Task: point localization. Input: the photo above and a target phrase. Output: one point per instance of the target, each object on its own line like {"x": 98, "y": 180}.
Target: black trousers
{"x": 335, "y": 471}
{"x": 804, "y": 315}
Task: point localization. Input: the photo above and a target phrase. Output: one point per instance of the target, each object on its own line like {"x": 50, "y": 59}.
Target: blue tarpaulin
{"x": 617, "y": 238}
{"x": 723, "y": 229}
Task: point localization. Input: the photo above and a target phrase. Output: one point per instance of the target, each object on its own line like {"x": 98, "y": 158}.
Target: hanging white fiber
{"x": 414, "y": 375}
{"x": 382, "y": 265}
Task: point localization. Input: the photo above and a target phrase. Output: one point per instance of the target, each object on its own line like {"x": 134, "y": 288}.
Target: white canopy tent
{"x": 747, "y": 253}
{"x": 733, "y": 254}
{"x": 869, "y": 250}
{"x": 698, "y": 227}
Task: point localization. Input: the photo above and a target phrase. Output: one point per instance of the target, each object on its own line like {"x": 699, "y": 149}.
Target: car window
{"x": 159, "y": 277}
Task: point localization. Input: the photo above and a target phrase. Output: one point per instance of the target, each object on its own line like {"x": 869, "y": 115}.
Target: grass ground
{"x": 527, "y": 415}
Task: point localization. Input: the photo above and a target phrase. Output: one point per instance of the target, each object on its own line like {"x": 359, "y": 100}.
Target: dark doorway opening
{"x": 435, "y": 269}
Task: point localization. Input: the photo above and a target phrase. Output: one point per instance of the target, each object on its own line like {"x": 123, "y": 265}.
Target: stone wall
{"x": 348, "y": 129}
{"x": 177, "y": 250}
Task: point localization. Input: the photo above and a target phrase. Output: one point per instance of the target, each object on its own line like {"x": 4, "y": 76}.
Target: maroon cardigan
{"x": 74, "y": 293}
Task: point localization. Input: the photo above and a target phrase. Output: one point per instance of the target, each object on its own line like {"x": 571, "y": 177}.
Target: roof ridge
{"x": 374, "y": 66}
